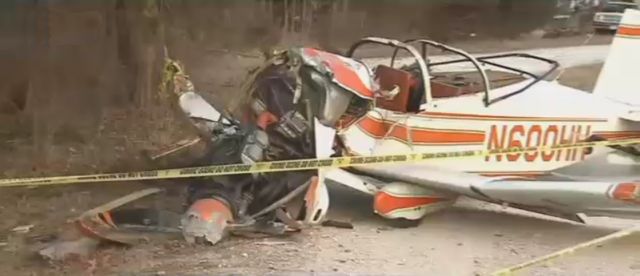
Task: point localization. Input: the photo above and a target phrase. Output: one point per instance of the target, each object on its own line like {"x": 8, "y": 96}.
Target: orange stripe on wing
{"x": 380, "y": 129}
{"x": 384, "y": 203}
{"x": 310, "y": 197}
{"x": 106, "y": 217}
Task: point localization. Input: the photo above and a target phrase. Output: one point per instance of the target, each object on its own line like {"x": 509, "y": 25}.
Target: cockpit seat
{"x": 388, "y": 78}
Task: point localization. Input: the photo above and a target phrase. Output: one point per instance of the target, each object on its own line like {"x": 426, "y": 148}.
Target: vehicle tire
{"x": 403, "y": 223}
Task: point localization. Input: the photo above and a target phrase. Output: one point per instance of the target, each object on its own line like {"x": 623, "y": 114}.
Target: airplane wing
{"x": 560, "y": 198}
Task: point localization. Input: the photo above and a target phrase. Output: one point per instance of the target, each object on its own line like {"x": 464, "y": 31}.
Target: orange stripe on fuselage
{"x": 629, "y": 31}
{"x": 619, "y": 132}
{"x": 515, "y": 174}
{"x": 380, "y": 129}
{"x": 461, "y": 116}
{"x": 618, "y": 135}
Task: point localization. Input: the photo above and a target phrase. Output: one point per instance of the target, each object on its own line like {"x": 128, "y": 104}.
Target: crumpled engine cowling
{"x": 231, "y": 203}
{"x": 285, "y": 100}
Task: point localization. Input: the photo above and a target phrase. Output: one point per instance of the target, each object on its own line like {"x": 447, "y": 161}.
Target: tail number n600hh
{"x": 508, "y": 136}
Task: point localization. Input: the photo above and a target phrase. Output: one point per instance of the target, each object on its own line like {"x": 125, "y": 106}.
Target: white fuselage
{"x": 545, "y": 114}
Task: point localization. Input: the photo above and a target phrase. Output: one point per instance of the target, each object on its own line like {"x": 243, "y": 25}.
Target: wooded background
{"x": 66, "y": 63}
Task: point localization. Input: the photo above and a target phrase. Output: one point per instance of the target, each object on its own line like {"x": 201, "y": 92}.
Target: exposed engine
{"x": 285, "y": 99}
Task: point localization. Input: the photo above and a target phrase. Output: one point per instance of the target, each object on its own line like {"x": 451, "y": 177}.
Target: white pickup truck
{"x": 608, "y": 18}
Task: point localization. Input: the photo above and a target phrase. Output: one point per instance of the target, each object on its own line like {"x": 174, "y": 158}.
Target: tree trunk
{"x": 39, "y": 85}
{"x": 285, "y": 28}
{"x": 128, "y": 72}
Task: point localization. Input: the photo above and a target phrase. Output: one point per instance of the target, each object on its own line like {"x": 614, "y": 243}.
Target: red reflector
{"x": 627, "y": 192}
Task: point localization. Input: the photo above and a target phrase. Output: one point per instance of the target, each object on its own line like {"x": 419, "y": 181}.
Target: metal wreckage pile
{"x": 284, "y": 103}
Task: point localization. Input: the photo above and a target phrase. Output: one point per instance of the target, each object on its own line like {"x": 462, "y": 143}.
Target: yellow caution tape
{"x": 567, "y": 251}
{"x": 294, "y": 165}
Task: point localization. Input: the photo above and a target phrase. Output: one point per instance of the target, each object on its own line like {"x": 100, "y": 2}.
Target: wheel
{"x": 403, "y": 223}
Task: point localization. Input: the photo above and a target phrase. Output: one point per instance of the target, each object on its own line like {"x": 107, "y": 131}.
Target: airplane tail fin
{"x": 619, "y": 79}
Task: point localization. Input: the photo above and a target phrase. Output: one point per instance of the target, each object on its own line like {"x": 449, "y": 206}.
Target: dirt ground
{"x": 471, "y": 238}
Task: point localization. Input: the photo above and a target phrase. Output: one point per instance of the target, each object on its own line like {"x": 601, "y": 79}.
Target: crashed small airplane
{"x": 307, "y": 103}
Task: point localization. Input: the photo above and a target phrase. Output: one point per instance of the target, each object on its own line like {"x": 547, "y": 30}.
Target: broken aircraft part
{"x": 206, "y": 221}
{"x": 272, "y": 128}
